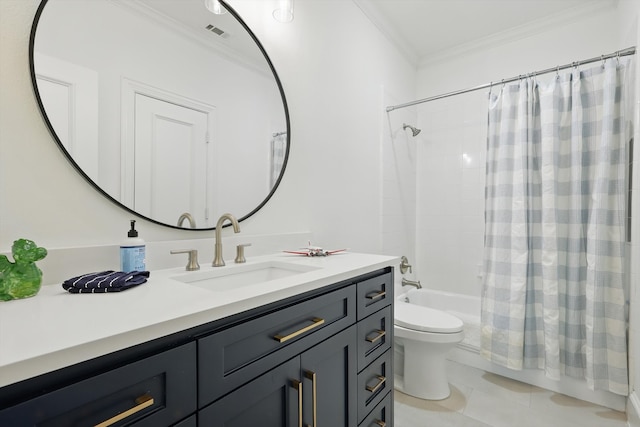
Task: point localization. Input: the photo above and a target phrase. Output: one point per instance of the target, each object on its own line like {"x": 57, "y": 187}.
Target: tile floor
{"x": 482, "y": 399}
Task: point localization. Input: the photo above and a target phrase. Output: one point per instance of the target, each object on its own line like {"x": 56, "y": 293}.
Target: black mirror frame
{"x": 96, "y": 186}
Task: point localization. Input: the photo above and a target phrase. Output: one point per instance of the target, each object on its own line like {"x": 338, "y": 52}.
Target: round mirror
{"x": 172, "y": 111}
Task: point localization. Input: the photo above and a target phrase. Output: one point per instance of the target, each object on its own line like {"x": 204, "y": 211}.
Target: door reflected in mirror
{"x": 164, "y": 106}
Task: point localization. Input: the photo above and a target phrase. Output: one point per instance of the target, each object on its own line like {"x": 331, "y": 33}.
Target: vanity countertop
{"x": 56, "y": 329}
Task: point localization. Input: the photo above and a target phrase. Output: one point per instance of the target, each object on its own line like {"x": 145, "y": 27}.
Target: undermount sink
{"x": 237, "y": 276}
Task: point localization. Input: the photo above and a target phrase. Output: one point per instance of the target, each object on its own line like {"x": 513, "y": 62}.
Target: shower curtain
{"x": 554, "y": 293}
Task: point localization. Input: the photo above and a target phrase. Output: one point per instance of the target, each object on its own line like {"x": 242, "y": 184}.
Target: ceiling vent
{"x": 219, "y": 31}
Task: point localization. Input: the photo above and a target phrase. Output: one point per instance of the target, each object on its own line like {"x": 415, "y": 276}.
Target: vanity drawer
{"x": 374, "y": 293}
{"x": 374, "y": 336}
{"x": 157, "y": 391}
{"x": 382, "y": 415}
{"x": 192, "y": 421}
{"x": 234, "y": 356}
{"x": 374, "y": 382}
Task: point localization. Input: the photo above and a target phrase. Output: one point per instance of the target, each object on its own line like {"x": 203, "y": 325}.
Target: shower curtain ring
{"x": 602, "y": 59}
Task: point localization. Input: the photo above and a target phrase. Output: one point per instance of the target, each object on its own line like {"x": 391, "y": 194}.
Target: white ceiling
{"x": 423, "y": 29}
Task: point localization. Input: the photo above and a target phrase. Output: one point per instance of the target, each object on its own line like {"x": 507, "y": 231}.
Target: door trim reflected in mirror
{"x": 119, "y": 194}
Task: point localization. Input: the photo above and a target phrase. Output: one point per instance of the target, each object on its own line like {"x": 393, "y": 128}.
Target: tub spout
{"x": 406, "y": 282}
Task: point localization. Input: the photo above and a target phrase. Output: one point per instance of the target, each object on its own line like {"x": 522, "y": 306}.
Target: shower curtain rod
{"x": 623, "y": 52}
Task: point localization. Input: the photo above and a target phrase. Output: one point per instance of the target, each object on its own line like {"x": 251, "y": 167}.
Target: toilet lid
{"x": 419, "y": 318}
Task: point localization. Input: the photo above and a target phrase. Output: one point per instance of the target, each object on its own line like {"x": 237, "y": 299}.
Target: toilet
{"x": 423, "y": 336}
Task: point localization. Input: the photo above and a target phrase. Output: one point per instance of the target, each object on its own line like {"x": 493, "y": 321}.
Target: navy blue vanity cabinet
{"x": 298, "y": 365}
{"x": 321, "y": 358}
{"x": 316, "y": 388}
{"x": 159, "y": 390}
{"x": 239, "y": 353}
{"x": 322, "y": 361}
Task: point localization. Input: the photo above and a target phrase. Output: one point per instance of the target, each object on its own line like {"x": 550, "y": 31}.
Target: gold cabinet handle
{"x": 316, "y": 322}
{"x": 379, "y": 334}
{"x": 375, "y": 388}
{"x": 142, "y": 402}
{"x": 380, "y": 423}
{"x": 312, "y": 376}
{"x": 376, "y": 295}
{"x": 298, "y": 386}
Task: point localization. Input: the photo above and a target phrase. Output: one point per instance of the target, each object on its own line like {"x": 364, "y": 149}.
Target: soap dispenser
{"x": 132, "y": 251}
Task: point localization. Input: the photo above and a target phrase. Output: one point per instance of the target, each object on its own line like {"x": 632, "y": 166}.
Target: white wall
{"x": 333, "y": 63}
{"x": 630, "y": 34}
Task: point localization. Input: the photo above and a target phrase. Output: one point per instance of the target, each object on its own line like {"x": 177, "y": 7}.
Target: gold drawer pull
{"x": 380, "y": 423}
{"x": 142, "y": 402}
{"x": 376, "y": 295}
{"x": 312, "y": 376}
{"x": 375, "y": 388}
{"x": 380, "y": 333}
{"x": 298, "y": 386}
{"x": 316, "y": 322}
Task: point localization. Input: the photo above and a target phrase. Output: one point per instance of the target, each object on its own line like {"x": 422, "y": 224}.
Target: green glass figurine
{"x": 22, "y": 278}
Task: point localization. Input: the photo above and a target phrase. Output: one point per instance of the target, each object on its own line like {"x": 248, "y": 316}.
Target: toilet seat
{"x": 425, "y": 319}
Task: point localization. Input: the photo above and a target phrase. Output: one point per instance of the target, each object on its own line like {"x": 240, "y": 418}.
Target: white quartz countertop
{"x": 56, "y": 329}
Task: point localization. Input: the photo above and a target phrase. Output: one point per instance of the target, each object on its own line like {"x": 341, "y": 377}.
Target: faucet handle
{"x": 192, "y": 265}
{"x": 240, "y": 253}
{"x": 404, "y": 265}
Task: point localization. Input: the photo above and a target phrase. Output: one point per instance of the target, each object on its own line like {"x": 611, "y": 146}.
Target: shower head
{"x": 414, "y": 131}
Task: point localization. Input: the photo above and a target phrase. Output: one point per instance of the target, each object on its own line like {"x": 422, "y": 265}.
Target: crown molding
{"x": 574, "y": 14}
{"x": 203, "y": 39}
{"x": 588, "y": 8}
{"x": 384, "y": 26}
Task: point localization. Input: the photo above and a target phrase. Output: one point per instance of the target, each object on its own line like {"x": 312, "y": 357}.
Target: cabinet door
{"x": 273, "y": 399}
{"x": 329, "y": 375}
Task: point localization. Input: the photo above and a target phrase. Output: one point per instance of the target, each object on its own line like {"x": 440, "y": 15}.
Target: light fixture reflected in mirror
{"x": 214, "y": 6}
{"x": 284, "y": 11}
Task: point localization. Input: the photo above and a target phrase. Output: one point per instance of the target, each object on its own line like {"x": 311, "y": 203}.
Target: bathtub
{"x": 467, "y": 309}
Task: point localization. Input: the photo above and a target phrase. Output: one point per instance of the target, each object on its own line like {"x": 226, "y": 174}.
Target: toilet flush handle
{"x": 404, "y": 265}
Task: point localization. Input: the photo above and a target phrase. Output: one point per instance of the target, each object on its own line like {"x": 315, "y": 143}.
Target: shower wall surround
{"x": 450, "y": 193}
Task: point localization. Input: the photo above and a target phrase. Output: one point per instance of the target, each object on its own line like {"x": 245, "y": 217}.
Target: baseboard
{"x": 633, "y": 410}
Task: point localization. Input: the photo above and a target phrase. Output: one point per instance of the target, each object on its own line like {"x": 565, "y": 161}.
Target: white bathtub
{"x": 467, "y": 309}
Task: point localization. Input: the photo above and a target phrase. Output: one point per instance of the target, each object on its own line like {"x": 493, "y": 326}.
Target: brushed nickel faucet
{"x": 217, "y": 260}
{"x": 192, "y": 264}
{"x": 188, "y": 217}
{"x": 407, "y": 282}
